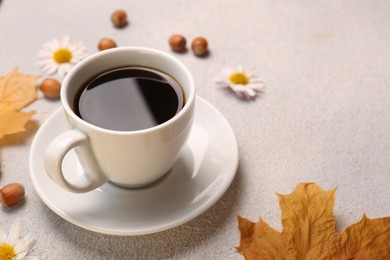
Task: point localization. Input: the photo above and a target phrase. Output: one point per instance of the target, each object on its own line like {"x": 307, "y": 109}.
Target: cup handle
{"x": 55, "y": 154}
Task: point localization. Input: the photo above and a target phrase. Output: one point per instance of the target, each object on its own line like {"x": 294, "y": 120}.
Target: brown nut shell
{"x": 119, "y": 18}
{"x": 106, "y": 43}
{"x": 11, "y": 194}
{"x": 200, "y": 46}
{"x": 177, "y": 43}
{"x": 50, "y": 88}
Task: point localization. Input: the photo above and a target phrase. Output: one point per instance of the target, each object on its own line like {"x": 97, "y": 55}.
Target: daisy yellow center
{"x": 6, "y": 251}
{"x": 239, "y": 78}
{"x": 62, "y": 55}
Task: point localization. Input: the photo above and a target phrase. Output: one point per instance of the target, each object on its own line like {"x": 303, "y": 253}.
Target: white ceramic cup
{"x": 126, "y": 158}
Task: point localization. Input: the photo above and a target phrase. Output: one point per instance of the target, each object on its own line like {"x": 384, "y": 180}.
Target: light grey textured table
{"x": 324, "y": 116}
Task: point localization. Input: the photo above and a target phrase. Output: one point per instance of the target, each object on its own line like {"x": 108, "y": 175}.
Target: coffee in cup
{"x": 129, "y": 99}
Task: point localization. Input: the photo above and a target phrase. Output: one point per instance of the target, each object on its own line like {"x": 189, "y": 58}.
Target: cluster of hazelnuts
{"x": 176, "y": 41}
{"x": 51, "y": 87}
{"x": 199, "y": 45}
{"x": 119, "y": 20}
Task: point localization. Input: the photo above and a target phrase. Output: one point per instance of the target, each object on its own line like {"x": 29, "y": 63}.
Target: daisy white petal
{"x": 29, "y": 258}
{"x": 242, "y": 82}
{"x": 44, "y": 55}
{"x": 30, "y": 242}
{"x": 227, "y": 71}
{"x": 13, "y": 246}
{"x": 74, "y": 60}
{"x": 14, "y": 233}
{"x": 259, "y": 86}
{"x": 44, "y": 61}
{"x": 3, "y": 235}
{"x": 20, "y": 248}
{"x": 255, "y": 80}
{"x": 63, "y": 69}
{"x": 223, "y": 82}
{"x": 49, "y": 68}
{"x": 250, "y": 92}
{"x": 65, "y": 41}
{"x": 60, "y": 55}
{"x": 240, "y": 69}
{"x": 52, "y": 45}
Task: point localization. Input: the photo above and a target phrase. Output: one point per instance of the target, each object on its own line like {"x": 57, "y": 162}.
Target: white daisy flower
{"x": 243, "y": 83}
{"x": 13, "y": 246}
{"x": 59, "y": 56}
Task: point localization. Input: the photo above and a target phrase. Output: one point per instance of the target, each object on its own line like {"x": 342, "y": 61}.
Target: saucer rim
{"x": 132, "y": 232}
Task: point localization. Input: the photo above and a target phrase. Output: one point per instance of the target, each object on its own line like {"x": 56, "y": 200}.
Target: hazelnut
{"x": 106, "y": 43}
{"x": 177, "y": 43}
{"x": 119, "y": 18}
{"x": 199, "y": 46}
{"x": 11, "y": 194}
{"x": 50, "y": 88}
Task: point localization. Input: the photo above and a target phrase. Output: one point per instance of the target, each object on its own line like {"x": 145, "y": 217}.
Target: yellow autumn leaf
{"x": 309, "y": 231}
{"x": 17, "y": 90}
{"x": 12, "y": 122}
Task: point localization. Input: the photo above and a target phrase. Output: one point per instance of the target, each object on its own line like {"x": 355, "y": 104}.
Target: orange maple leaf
{"x": 12, "y": 122}
{"x": 309, "y": 231}
{"x": 17, "y": 90}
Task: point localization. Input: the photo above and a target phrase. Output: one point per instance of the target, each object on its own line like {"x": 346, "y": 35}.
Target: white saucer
{"x": 203, "y": 173}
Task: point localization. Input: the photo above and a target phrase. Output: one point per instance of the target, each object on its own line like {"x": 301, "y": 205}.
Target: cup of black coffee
{"x": 130, "y": 112}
